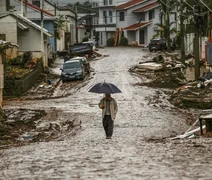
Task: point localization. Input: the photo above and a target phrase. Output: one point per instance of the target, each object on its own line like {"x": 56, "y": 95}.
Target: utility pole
{"x": 182, "y": 33}
{"x": 42, "y": 39}
{"x": 196, "y": 10}
{"x": 89, "y": 14}
{"x": 25, "y": 8}
{"x": 196, "y": 55}
{"x": 76, "y": 20}
{"x": 1, "y": 80}
{"x": 22, "y": 8}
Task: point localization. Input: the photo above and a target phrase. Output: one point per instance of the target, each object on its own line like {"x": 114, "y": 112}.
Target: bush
{"x": 16, "y": 61}
{"x": 27, "y": 57}
{"x": 123, "y": 41}
{"x": 110, "y": 42}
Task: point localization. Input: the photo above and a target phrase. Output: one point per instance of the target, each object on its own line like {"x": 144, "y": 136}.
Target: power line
{"x": 205, "y": 5}
{"x": 188, "y": 4}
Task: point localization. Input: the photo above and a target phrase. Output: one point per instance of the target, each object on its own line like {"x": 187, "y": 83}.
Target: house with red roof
{"x": 137, "y": 19}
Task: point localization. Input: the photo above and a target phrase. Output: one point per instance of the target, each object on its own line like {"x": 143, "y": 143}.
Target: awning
{"x": 136, "y": 26}
{"x": 148, "y": 7}
{"x": 21, "y": 26}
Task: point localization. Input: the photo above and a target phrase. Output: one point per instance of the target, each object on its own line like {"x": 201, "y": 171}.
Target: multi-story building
{"x": 135, "y": 19}
{"x": 106, "y": 26}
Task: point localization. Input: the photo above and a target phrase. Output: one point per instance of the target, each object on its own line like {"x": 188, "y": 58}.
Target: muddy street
{"x": 140, "y": 147}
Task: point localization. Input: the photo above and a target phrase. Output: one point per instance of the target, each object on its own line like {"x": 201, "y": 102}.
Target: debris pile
{"x": 26, "y": 126}
{"x": 162, "y": 70}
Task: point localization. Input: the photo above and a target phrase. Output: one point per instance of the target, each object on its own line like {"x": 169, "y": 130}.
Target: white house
{"x": 137, "y": 19}
{"x": 52, "y": 14}
{"x": 86, "y": 23}
{"x": 20, "y": 30}
{"x": 69, "y": 33}
{"x": 107, "y": 19}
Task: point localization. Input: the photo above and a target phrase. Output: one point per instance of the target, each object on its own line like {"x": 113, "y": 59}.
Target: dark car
{"x": 72, "y": 70}
{"x": 81, "y": 49}
{"x": 84, "y": 61}
{"x": 157, "y": 45}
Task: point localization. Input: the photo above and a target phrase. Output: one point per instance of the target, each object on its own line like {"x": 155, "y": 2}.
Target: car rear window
{"x": 155, "y": 41}
{"x": 71, "y": 65}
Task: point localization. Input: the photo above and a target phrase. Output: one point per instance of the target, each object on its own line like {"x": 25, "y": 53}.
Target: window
{"x": 36, "y": 2}
{"x": 142, "y": 16}
{"x": 110, "y": 2}
{"x": 121, "y": 16}
{"x": 105, "y": 2}
{"x": 3, "y": 37}
{"x": 111, "y": 16}
{"x": 151, "y": 14}
{"x": 105, "y": 17}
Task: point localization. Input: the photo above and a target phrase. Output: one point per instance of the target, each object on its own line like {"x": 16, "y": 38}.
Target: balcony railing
{"x": 104, "y": 3}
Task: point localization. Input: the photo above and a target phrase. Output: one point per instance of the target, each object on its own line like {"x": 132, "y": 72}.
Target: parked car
{"x": 91, "y": 43}
{"x": 85, "y": 63}
{"x": 72, "y": 70}
{"x": 81, "y": 49}
{"x": 157, "y": 45}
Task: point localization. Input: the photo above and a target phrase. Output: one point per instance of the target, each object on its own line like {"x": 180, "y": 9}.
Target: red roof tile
{"x": 147, "y": 7}
{"x": 137, "y": 25}
{"x": 128, "y": 4}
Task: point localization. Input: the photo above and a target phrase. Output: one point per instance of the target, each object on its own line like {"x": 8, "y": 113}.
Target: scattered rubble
{"x": 164, "y": 71}
{"x": 26, "y": 126}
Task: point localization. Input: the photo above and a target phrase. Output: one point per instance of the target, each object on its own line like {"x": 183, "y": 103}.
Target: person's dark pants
{"x": 108, "y": 125}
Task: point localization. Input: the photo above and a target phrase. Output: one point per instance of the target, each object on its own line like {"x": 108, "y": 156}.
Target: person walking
{"x": 109, "y": 109}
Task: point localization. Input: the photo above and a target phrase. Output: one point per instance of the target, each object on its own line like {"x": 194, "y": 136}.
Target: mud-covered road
{"x": 140, "y": 147}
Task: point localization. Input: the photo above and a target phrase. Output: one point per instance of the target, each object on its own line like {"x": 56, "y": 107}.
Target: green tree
{"x": 166, "y": 7}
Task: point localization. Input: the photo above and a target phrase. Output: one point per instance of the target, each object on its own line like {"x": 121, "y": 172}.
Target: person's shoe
{"x": 108, "y": 137}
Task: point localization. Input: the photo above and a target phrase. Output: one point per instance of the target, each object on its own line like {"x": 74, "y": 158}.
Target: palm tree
{"x": 167, "y": 6}
{"x": 164, "y": 30}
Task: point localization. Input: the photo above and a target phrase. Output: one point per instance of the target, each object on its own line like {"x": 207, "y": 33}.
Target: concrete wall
{"x": 11, "y": 52}
{"x": 32, "y": 13}
{"x": 8, "y": 26}
{"x": 81, "y": 34}
{"x": 2, "y": 6}
{"x": 50, "y": 26}
{"x": 19, "y": 87}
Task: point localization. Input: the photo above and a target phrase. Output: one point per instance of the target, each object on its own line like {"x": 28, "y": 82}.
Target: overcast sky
{"x": 64, "y": 2}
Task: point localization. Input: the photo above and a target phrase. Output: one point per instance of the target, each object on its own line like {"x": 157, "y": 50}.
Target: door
{"x": 142, "y": 37}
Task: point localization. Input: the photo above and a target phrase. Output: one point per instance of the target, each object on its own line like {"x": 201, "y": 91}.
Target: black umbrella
{"x": 105, "y": 88}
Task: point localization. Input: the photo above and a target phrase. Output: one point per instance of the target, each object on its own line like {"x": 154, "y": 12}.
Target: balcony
{"x": 104, "y": 3}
